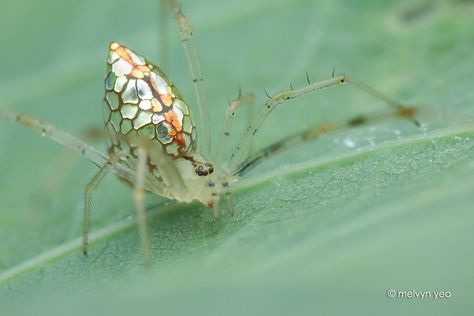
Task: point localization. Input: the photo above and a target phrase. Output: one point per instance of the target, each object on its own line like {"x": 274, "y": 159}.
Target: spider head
{"x": 204, "y": 182}
{"x": 203, "y": 169}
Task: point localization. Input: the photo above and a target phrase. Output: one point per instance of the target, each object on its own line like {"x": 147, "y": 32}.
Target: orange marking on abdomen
{"x": 179, "y": 139}
{"x": 156, "y": 105}
{"x": 172, "y": 119}
{"x": 166, "y": 98}
{"x": 124, "y": 53}
{"x": 137, "y": 73}
{"x": 143, "y": 68}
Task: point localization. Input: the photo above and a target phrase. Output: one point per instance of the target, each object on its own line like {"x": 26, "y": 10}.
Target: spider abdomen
{"x": 141, "y": 100}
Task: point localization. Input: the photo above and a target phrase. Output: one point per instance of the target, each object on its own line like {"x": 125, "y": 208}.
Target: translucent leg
{"x": 246, "y": 99}
{"x": 250, "y": 114}
{"x": 168, "y": 171}
{"x": 56, "y": 134}
{"x": 91, "y": 185}
{"x": 138, "y": 194}
{"x": 313, "y": 133}
{"x": 243, "y": 145}
{"x": 230, "y": 203}
{"x": 75, "y": 144}
{"x": 187, "y": 41}
{"x": 216, "y": 210}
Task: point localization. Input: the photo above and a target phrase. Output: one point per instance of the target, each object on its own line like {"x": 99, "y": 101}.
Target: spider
{"x": 155, "y": 145}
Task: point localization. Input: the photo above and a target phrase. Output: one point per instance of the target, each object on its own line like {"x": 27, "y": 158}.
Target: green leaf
{"x": 328, "y": 227}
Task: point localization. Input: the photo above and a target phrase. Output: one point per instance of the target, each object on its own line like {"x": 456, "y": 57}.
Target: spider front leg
{"x": 230, "y": 203}
{"x": 231, "y": 112}
{"x": 187, "y": 41}
{"x": 242, "y": 148}
{"x": 246, "y": 99}
{"x": 216, "y": 210}
{"x": 91, "y": 185}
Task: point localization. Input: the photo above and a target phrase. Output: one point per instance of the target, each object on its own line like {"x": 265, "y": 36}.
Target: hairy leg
{"x": 243, "y": 145}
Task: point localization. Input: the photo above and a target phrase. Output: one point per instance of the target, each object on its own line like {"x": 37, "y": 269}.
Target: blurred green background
{"x": 326, "y": 228}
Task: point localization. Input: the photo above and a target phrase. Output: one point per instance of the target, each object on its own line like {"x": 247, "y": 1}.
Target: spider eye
{"x": 204, "y": 169}
{"x": 210, "y": 168}
{"x": 140, "y": 99}
{"x": 202, "y": 173}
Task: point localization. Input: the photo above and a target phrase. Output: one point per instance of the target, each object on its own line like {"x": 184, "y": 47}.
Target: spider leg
{"x": 187, "y": 41}
{"x": 311, "y": 134}
{"x": 242, "y": 148}
{"x": 216, "y": 210}
{"x": 230, "y": 203}
{"x": 69, "y": 141}
{"x": 138, "y": 194}
{"x": 168, "y": 171}
{"x": 246, "y": 99}
{"x": 230, "y": 114}
{"x": 250, "y": 114}
{"x": 56, "y": 134}
{"x": 91, "y": 185}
